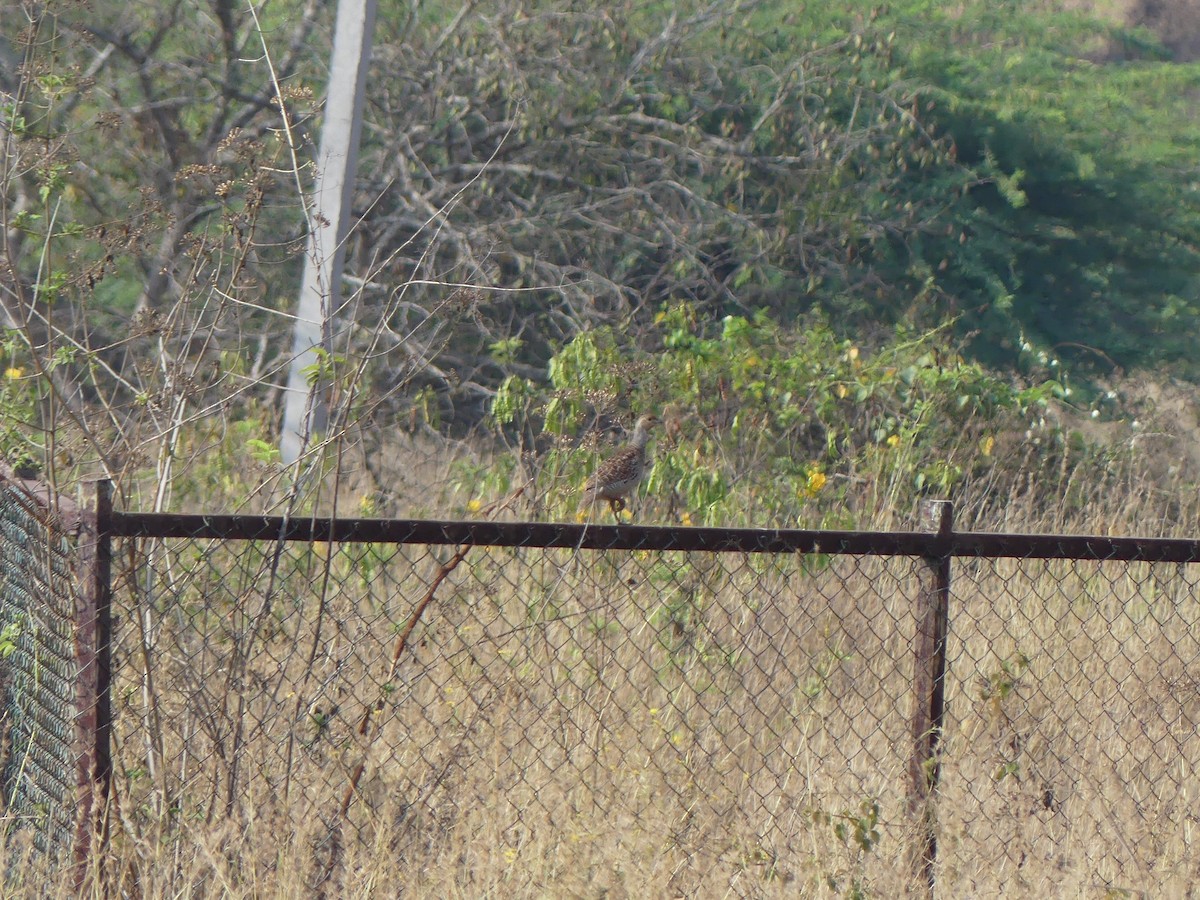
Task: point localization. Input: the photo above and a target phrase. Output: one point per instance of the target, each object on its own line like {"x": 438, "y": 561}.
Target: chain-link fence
{"x": 688, "y": 712}
{"x": 435, "y": 709}
{"x": 1072, "y": 759}
{"x": 51, "y": 684}
{"x": 614, "y": 720}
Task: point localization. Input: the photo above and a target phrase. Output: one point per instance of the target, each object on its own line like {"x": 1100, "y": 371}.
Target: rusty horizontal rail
{"x": 644, "y": 537}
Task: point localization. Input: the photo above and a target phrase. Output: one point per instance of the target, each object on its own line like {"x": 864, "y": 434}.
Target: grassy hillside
{"x": 1078, "y": 225}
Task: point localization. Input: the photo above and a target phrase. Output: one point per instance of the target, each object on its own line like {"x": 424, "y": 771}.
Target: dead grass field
{"x": 637, "y": 724}
{"x": 643, "y": 725}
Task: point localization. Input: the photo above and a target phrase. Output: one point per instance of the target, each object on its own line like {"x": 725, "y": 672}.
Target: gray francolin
{"x": 619, "y": 475}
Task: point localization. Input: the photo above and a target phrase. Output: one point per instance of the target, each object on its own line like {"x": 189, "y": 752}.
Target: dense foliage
{"x": 1023, "y": 170}
{"x": 600, "y": 164}
{"x": 765, "y": 424}
{"x": 1081, "y": 228}
{"x": 542, "y": 178}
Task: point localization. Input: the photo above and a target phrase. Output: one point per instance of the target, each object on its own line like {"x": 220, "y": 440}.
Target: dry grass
{"x": 587, "y": 722}
{"x": 643, "y": 724}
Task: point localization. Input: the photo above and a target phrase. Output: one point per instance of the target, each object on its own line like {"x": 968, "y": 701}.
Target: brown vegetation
{"x": 644, "y": 724}
{"x": 1174, "y": 22}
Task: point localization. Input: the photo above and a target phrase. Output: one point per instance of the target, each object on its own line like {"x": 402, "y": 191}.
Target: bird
{"x": 618, "y": 476}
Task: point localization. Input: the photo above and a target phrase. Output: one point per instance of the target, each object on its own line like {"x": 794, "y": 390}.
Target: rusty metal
{"x": 649, "y": 537}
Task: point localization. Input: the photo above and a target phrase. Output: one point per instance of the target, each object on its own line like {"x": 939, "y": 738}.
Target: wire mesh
{"x": 659, "y": 722}
{"x": 641, "y": 720}
{"x": 1071, "y": 763}
{"x": 43, "y": 748}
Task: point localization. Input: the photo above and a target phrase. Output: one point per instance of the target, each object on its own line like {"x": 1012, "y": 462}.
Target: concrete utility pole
{"x": 306, "y": 410}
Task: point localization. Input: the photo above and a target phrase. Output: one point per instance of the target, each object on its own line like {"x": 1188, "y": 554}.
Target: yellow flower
{"x": 893, "y": 440}
{"x": 841, "y": 390}
{"x": 366, "y": 505}
{"x": 685, "y": 519}
{"x": 986, "y": 444}
{"x": 474, "y": 505}
{"x": 13, "y": 373}
{"x": 814, "y": 480}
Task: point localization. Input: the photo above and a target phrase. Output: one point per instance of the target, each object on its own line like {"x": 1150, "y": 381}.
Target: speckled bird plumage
{"x": 620, "y": 474}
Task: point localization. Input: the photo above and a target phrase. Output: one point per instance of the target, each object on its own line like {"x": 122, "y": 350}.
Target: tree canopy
{"x": 535, "y": 172}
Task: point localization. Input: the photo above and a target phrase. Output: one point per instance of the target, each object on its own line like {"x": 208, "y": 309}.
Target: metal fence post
{"x": 929, "y": 682}
{"x": 93, "y": 642}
